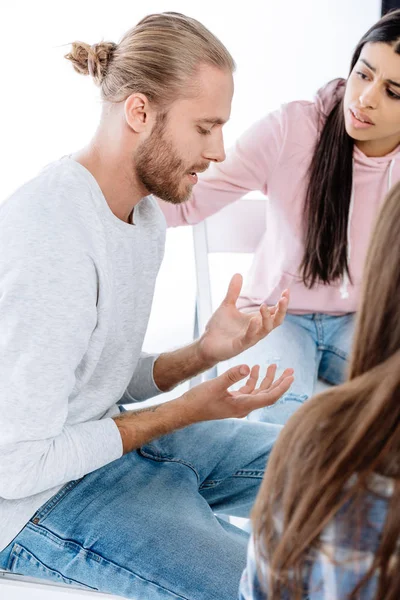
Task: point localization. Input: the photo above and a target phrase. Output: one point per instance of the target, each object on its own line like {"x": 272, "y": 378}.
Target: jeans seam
{"x": 320, "y": 331}
{"x": 48, "y": 506}
{"x": 340, "y": 353}
{"x": 208, "y": 483}
{"x": 164, "y": 458}
{"x": 19, "y": 550}
{"x": 11, "y": 560}
{"x": 90, "y": 555}
{"x": 258, "y": 474}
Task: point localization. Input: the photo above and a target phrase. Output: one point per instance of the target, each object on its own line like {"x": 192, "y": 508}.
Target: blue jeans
{"x": 145, "y": 527}
{"x": 316, "y": 346}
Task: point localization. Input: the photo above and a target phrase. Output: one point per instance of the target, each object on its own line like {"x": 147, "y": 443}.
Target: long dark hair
{"x": 322, "y": 463}
{"x": 330, "y": 179}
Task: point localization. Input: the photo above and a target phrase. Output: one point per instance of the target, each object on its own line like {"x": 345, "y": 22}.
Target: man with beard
{"x": 125, "y": 502}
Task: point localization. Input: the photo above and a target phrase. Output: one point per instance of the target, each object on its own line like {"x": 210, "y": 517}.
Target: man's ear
{"x": 138, "y": 113}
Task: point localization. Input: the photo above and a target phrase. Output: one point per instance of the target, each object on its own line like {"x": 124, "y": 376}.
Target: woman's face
{"x": 372, "y": 100}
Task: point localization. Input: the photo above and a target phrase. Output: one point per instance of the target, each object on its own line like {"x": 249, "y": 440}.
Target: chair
{"x": 236, "y": 229}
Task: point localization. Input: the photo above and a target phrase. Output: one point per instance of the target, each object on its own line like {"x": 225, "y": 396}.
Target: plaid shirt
{"x": 345, "y": 554}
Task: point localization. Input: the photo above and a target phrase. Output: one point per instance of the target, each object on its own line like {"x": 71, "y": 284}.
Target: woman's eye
{"x": 392, "y": 94}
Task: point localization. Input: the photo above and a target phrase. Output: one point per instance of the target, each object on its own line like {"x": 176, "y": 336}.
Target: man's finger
{"x": 231, "y": 376}
{"x": 281, "y": 310}
{"x": 286, "y": 373}
{"x": 272, "y": 384}
{"x": 269, "y": 377}
{"x": 234, "y": 289}
{"x": 252, "y": 402}
{"x": 251, "y": 383}
{"x": 266, "y": 317}
{"x": 271, "y": 396}
{"x": 252, "y": 333}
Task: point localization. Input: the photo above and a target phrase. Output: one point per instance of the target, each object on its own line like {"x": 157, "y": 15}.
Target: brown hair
{"x": 157, "y": 57}
{"x": 324, "y": 458}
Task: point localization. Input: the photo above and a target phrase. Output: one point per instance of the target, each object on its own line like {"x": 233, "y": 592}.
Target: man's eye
{"x": 204, "y": 131}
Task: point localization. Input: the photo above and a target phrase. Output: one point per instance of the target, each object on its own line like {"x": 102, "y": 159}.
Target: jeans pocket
{"x": 23, "y": 562}
{"x": 48, "y": 506}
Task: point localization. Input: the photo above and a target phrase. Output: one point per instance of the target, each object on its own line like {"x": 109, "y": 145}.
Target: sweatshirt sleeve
{"x": 48, "y": 295}
{"x": 142, "y": 385}
{"x": 248, "y": 167}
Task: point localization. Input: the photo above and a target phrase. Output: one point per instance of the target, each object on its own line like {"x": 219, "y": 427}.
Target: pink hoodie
{"x": 273, "y": 156}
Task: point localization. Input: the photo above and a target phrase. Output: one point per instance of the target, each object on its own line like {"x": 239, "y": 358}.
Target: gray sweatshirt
{"x": 76, "y": 287}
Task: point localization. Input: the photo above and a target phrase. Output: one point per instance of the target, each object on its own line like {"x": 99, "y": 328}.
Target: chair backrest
{"x": 238, "y": 227}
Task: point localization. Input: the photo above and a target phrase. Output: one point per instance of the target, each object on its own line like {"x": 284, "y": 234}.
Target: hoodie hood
{"x": 329, "y": 95}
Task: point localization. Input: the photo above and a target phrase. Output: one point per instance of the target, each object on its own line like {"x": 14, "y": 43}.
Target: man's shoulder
{"x": 57, "y": 188}
{"x": 53, "y": 208}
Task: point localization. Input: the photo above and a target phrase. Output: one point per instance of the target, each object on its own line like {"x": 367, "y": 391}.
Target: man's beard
{"x": 159, "y": 167}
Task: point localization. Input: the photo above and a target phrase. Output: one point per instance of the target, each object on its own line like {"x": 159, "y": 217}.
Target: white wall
{"x": 284, "y": 49}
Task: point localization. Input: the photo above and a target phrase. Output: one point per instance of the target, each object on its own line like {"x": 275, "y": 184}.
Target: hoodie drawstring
{"x": 344, "y": 288}
{"x": 390, "y": 174}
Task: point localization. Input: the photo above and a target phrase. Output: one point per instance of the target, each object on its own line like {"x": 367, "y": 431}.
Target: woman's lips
{"x": 359, "y": 119}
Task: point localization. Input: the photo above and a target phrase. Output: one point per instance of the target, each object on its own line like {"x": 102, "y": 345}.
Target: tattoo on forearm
{"x": 133, "y": 413}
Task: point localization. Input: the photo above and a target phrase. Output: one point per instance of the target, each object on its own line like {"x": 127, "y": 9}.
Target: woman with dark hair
{"x": 326, "y": 166}
{"x": 326, "y": 520}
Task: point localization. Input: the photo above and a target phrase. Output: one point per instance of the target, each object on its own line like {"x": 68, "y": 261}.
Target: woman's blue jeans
{"x": 315, "y": 345}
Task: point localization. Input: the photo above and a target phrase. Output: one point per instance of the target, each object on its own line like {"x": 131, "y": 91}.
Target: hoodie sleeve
{"x": 248, "y": 167}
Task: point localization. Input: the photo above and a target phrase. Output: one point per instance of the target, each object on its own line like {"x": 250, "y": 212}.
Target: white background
{"x": 284, "y": 50}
